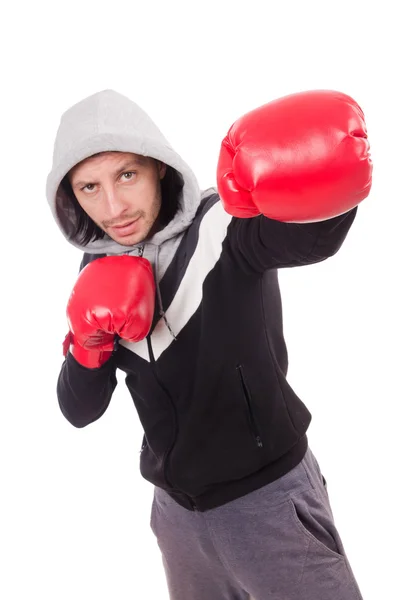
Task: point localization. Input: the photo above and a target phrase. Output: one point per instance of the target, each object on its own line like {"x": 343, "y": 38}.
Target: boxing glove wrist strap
{"x": 92, "y": 359}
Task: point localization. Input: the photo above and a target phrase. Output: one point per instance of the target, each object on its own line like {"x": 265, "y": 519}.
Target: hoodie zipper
{"x": 248, "y": 402}
{"x": 165, "y": 458}
{"x": 168, "y": 396}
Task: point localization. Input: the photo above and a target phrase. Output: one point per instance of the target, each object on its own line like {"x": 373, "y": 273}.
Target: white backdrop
{"x": 74, "y": 510}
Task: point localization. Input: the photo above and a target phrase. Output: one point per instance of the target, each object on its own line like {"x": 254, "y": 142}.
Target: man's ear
{"x": 162, "y": 167}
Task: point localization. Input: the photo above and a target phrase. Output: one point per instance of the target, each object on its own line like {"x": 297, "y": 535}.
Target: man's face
{"x": 121, "y": 193}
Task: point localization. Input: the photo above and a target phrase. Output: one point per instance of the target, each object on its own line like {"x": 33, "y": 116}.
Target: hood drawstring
{"x": 156, "y": 278}
{"x": 157, "y": 281}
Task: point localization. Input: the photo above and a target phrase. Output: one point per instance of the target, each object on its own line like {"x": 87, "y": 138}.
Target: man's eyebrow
{"x": 133, "y": 162}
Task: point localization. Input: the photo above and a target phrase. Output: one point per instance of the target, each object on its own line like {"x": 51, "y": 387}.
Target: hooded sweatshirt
{"x": 210, "y": 380}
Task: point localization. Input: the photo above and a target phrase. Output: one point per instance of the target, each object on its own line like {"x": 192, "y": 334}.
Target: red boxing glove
{"x": 301, "y": 158}
{"x": 114, "y": 295}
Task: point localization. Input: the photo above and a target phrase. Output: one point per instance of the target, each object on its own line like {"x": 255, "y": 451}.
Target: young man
{"x": 179, "y": 290}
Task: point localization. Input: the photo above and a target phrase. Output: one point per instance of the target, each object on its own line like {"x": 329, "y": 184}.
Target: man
{"x": 179, "y": 290}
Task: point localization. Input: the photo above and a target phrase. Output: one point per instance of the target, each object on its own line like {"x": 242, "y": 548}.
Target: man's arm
{"x": 261, "y": 243}
{"x": 84, "y": 394}
{"x": 113, "y": 298}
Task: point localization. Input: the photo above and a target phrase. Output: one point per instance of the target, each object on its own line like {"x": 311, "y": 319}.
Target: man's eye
{"x": 128, "y": 174}
{"x": 89, "y": 187}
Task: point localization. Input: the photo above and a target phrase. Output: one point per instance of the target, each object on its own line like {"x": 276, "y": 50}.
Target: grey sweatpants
{"x": 277, "y": 543}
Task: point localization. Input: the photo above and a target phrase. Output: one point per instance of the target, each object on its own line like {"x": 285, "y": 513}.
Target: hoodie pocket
{"x": 248, "y": 403}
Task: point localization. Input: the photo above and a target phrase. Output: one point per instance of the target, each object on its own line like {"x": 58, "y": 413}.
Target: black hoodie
{"x": 219, "y": 416}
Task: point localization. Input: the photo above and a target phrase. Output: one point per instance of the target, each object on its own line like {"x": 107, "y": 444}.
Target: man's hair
{"x": 86, "y": 230}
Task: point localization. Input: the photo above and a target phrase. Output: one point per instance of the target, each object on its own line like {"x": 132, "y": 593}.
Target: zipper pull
{"x": 140, "y": 251}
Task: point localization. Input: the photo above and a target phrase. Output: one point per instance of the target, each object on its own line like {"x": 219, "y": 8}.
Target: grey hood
{"x": 109, "y": 121}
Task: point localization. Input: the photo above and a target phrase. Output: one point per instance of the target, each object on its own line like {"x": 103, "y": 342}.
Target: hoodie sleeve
{"x": 260, "y": 243}
{"x": 84, "y": 394}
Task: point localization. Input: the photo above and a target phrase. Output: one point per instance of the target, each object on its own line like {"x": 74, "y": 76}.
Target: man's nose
{"x": 114, "y": 202}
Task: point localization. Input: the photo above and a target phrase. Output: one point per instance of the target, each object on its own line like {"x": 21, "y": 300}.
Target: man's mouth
{"x": 127, "y": 228}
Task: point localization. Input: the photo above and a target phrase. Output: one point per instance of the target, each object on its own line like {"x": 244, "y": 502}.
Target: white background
{"x": 74, "y": 516}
